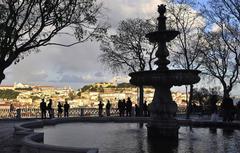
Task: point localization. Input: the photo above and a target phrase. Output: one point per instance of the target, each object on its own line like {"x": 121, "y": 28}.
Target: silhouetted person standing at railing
{"x": 228, "y": 109}
{"x": 137, "y": 110}
{"x": 66, "y": 109}
{"x": 108, "y": 107}
{"x": 50, "y": 109}
{"x": 145, "y": 109}
{"x": 60, "y": 110}
{"x": 213, "y": 107}
{"x": 129, "y": 107}
{"x": 43, "y": 108}
{"x": 124, "y": 107}
{"x": 100, "y": 108}
{"x": 120, "y": 107}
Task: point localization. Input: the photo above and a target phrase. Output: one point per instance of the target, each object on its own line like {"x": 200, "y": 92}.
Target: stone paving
{"x": 7, "y": 143}
{"x": 7, "y": 140}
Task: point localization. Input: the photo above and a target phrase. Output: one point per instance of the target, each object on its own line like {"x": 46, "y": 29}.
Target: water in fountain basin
{"x": 130, "y": 138}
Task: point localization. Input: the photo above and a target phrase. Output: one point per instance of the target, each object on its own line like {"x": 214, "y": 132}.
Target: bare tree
{"x": 220, "y": 62}
{"x": 185, "y": 52}
{"x": 129, "y": 50}
{"x": 26, "y": 25}
{"x": 222, "y": 37}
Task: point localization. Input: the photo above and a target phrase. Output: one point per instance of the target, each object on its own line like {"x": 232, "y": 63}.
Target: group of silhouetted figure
{"x": 47, "y": 109}
{"x": 124, "y": 108}
{"x": 108, "y": 108}
{"x": 145, "y": 110}
{"x": 227, "y": 110}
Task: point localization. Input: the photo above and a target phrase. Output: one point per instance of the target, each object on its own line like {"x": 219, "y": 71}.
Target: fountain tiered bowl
{"x": 166, "y": 77}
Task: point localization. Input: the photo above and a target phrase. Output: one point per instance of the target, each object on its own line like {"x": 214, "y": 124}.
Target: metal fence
{"x": 73, "y": 112}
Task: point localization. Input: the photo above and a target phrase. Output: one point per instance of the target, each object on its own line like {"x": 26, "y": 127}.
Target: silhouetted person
{"x": 66, "y": 107}
{"x": 213, "y": 107}
{"x": 120, "y": 109}
{"x": 50, "y": 109}
{"x": 108, "y": 107}
{"x": 60, "y": 110}
{"x": 100, "y": 108}
{"x": 128, "y": 107}
{"x": 213, "y": 103}
{"x": 145, "y": 109}
{"x": 124, "y": 107}
{"x": 148, "y": 108}
{"x": 228, "y": 109}
{"x": 43, "y": 108}
{"x": 137, "y": 110}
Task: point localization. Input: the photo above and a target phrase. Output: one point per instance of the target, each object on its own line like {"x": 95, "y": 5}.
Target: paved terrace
{"x": 9, "y": 145}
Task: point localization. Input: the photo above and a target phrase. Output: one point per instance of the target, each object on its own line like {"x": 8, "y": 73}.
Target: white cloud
{"x": 215, "y": 28}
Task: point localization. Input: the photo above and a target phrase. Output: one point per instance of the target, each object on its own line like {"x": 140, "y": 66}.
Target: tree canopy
{"x": 222, "y": 42}
{"x": 25, "y": 25}
{"x": 128, "y": 50}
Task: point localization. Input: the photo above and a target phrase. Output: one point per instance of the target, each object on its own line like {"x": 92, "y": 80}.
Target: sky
{"x": 78, "y": 65}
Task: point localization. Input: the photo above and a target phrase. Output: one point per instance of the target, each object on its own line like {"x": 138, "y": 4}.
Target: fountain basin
{"x": 167, "y": 77}
{"x": 130, "y": 138}
{"x": 190, "y": 139}
{"x": 159, "y": 36}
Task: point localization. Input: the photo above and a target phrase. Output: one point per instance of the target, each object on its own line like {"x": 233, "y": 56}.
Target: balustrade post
{"x": 18, "y": 114}
{"x": 82, "y": 111}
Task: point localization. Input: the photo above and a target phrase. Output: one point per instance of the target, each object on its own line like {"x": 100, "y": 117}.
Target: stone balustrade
{"x": 73, "y": 112}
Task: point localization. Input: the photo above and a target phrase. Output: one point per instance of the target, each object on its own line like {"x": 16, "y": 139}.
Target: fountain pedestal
{"x": 162, "y": 124}
{"x": 163, "y": 129}
{"x": 163, "y": 110}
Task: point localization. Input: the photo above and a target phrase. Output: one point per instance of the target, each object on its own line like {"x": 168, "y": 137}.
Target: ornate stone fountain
{"x": 162, "y": 123}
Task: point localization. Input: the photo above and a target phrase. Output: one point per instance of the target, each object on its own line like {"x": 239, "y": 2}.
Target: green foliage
{"x": 92, "y": 88}
{"x": 71, "y": 95}
{"x": 8, "y": 94}
{"x": 86, "y": 88}
{"x": 125, "y": 85}
{"x": 79, "y": 94}
{"x": 35, "y": 98}
{"x": 110, "y": 86}
{"x": 28, "y": 89}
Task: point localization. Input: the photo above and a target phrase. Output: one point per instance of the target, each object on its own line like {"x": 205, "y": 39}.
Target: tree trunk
{"x": 226, "y": 92}
{"x": 2, "y": 76}
{"x": 226, "y": 89}
{"x": 141, "y": 92}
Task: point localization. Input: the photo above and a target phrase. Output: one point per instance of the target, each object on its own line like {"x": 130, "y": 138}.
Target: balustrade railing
{"x": 73, "y": 112}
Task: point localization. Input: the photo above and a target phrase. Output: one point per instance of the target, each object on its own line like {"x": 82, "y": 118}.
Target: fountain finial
{"x": 161, "y": 9}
